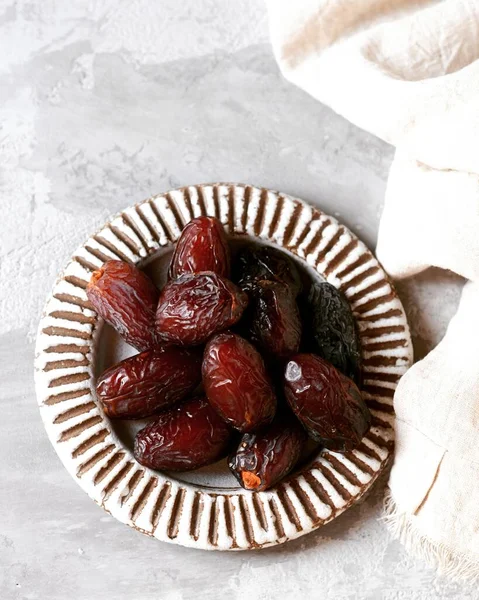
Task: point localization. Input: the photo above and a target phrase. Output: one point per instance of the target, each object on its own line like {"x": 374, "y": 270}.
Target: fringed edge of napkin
{"x": 448, "y": 563}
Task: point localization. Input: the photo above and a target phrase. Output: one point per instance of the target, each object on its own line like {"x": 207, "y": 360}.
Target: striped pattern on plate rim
{"x": 184, "y": 513}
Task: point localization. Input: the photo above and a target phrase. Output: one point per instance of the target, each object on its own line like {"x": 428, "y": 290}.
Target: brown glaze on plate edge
{"x": 184, "y": 513}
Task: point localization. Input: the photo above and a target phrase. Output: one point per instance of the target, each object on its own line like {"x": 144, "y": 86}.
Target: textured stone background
{"x": 103, "y": 103}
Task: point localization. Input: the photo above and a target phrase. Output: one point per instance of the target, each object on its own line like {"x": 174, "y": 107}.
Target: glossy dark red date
{"x": 264, "y": 458}
{"x": 327, "y": 403}
{"x": 126, "y": 299}
{"x": 236, "y": 382}
{"x": 194, "y": 307}
{"x": 202, "y": 247}
{"x": 184, "y": 438}
{"x": 149, "y": 382}
{"x": 275, "y": 323}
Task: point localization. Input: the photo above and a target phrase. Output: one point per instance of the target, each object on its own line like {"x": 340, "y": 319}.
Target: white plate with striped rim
{"x": 206, "y": 509}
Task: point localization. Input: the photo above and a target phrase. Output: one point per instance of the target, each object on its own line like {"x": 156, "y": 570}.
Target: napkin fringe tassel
{"x": 451, "y": 564}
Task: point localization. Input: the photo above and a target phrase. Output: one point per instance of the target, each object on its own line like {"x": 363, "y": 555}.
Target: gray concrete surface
{"x": 102, "y": 104}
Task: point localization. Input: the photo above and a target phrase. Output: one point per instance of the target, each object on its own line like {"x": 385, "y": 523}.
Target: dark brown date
{"x": 202, "y": 247}
{"x": 257, "y": 263}
{"x": 184, "y": 438}
{"x": 194, "y": 307}
{"x": 331, "y": 330}
{"x": 126, "y": 299}
{"x": 265, "y": 457}
{"x": 326, "y": 402}
{"x": 149, "y": 382}
{"x": 236, "y": 382}
{"x": 275, "y": 323}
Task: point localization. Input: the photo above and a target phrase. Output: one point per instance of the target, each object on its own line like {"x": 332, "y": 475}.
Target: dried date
{"x": 194, "y": 307}
{"x": 236, "y": 382}
{"x": 258, "y": 263}
{"x": 183, "y": 438}
{"x": 265, "y": 457}
{"x": 327, "y": 403}
{"x": 126, "y": 299}
{"x": 275, "y": 323}
{"x": 331, "y": 329}
{"x": 202, "y": 247}
{"x": 149, "y": 382}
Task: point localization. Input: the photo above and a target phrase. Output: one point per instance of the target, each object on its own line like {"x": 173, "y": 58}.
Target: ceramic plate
{"x": 206, "y": 509}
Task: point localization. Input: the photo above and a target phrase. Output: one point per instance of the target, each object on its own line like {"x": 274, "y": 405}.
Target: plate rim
{"x": 159, "y": 506}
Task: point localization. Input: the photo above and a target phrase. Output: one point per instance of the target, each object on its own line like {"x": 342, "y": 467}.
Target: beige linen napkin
{"x": 408, "y": 71}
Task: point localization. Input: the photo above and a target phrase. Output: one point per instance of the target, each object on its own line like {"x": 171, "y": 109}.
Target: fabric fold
{"x": 430, "y": 218}
{"x": 408, "y": 71}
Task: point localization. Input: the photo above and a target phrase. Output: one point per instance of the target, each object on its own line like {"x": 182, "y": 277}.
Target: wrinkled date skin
{"x": 149, "y": 382}
{"x": 275, "y": 323}
{"x": 236, "y": 382}
{"x": 194, "y": 307}
{"x": 326, "y": 402}
{"x": 257, "y": 263}
{"x": 331, "y": 328}
{"x": 202, "y": 247}
{"x": 184, "y": 438}
{"x": 126, "y": 299}
{"x": 265, "y": 457}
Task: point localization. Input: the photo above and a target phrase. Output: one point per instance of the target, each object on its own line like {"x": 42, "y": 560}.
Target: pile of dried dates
{"x": 246, "y": 357}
